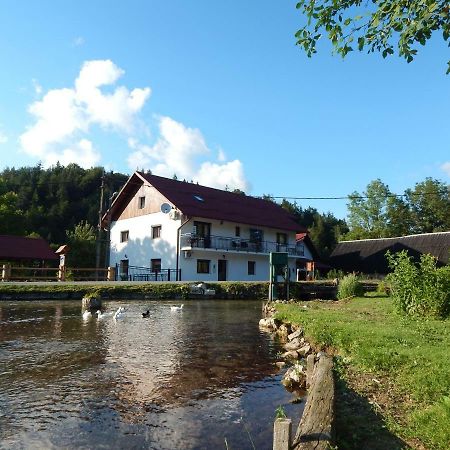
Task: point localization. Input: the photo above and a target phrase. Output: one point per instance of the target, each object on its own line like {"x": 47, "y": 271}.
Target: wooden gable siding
{"x": 153, "y": 201}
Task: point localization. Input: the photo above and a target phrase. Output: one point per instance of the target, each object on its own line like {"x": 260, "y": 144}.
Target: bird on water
{"x": 119, "y": 313}
{"x": 176, "y": 308}
{"x": 146, "y": 313}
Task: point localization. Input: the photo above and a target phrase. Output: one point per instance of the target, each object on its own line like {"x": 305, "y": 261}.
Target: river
{"x": 200, "y": 378}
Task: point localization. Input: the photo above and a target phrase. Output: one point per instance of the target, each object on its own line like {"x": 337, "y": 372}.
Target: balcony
{"x": 190, "y": 241}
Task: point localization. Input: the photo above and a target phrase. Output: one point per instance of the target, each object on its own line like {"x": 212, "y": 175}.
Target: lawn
{"x": 393, "y": 372}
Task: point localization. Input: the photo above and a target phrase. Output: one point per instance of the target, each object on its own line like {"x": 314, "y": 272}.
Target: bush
{"x": 350, "y": 286}
{"x": 419, "y": 290}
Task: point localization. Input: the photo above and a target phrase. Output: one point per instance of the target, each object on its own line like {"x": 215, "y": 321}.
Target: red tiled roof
{"x": 194, "y": 200}
{"x": 19, "y": 247}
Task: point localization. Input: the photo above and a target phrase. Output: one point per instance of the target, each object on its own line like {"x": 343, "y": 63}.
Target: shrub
{"x": 350, "y": 286}
{"x": 419, "y": 290}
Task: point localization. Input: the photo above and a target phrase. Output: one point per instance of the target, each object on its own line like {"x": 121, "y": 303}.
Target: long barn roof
{"x": 368, "y": 255}
{"x": 194, "y": 200}
{"x": 19, "y": 247}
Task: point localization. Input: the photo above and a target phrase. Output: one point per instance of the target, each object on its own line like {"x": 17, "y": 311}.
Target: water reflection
{"x": 186, "y": 379}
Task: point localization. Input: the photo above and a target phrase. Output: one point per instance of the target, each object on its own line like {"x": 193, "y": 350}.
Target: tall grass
{"x": 412, "y": 354}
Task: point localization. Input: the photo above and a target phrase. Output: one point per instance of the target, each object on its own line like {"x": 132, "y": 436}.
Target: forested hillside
{"x": 51, "y": 202}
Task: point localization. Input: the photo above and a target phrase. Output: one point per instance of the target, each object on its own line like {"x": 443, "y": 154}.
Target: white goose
{"x": 87, "y": 315}
{"x": 119, "y": 313}
{"x": 101, "y": 315}
{"x": 176, "y": 308}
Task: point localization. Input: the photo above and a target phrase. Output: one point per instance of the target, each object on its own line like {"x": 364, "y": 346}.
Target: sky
{"x": 217, "y": 93}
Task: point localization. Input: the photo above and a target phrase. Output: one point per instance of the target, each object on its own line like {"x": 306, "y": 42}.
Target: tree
{"x": 11, "y": 218}
{"x": 367, "y": 217}
{"x": 81, "y": 240}
{"x": 375, "y": 25}
{"x": 429, "y": 203}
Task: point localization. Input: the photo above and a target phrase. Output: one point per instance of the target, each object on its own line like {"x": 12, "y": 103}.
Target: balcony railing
{"x": 191, "y": 241}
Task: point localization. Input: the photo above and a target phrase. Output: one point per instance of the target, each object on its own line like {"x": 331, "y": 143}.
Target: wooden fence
{"x": 14, "y": 273}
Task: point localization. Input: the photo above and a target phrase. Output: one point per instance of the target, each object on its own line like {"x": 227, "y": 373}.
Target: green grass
{"x": 411, "y": 357}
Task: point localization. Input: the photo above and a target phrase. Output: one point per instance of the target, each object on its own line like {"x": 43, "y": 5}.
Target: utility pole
{"x": 99, "y": 226}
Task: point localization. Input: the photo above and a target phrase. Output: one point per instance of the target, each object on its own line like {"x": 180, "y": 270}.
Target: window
{"x": 141, "y": 202}
{"x": 282, "y": 238}
{"x": 155, "y": 265}
{"x": 256, "y": 235}
{"x": 198, "y": 198}
{"x": 124, "y": 236}
{"x": 156, "y": 231}
{"x": 203, "y": 265}
{"x": 251, "y": 267}
{"x": 238, "y": 231}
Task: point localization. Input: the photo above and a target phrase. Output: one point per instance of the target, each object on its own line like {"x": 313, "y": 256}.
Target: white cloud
{"x": 81, "y": 152}
{"x": 64, "y": 116}
{"x": 230, "y": 174}
{"x": 446, "y": 168}
{"x": 221, "y": 156}
{"x": 37, "y": 87}
{"x": 179, "y": 150}
{"x": 64, "y": 120}
{"x": 78, "y": 41}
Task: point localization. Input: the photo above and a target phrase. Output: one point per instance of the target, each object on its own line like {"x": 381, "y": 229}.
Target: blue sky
{"x": 216, "y": 92}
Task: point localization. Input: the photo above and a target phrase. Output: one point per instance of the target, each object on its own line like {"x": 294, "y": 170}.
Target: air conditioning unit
{"x": 174, "y": 214}
{"x": 187, "y": 254}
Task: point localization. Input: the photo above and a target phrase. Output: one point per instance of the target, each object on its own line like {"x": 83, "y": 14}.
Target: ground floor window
{"x": 203, "y": 265}
{"x": 251, "y": 267}
{"x": 155, "y": 265}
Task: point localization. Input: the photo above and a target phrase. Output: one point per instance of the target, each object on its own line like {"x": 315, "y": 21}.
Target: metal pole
{"x": 99, "y": 226}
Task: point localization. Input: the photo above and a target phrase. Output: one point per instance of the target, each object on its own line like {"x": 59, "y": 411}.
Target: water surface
{"x": 200, "y": 378}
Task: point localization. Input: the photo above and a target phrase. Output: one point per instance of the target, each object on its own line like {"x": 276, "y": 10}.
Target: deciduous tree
{"x": 386, "y": 26}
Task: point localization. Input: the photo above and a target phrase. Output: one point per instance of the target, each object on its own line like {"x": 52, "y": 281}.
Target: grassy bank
{"x": 394, "y": 373}
{"x": 128, "y": 290}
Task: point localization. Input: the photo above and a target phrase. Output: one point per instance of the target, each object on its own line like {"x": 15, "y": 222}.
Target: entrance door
{"x": 222, "y": 270}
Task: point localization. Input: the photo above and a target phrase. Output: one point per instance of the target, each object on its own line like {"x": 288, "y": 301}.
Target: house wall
{"x": 141, "y": 248}
{"x": 153, "y": 201}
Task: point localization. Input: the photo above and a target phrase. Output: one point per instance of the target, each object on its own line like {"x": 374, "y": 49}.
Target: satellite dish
{"x": 165, "y": 208}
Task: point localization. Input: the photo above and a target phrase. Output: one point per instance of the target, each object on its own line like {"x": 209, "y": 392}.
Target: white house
{"x": 166, "y": 229}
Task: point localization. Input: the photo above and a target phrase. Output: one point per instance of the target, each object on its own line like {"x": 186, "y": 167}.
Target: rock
{"x": 268, "y": 324}
{"x": 295, "y": 376}
{"x": 293, "y": 345}
{"x": 291, "y": 354}
{"x": 283, "y": 330}
{"x": 304, "y": 351}
{"x": 295, "y": 334}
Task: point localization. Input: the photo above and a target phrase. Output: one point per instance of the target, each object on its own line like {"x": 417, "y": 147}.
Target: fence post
{"x": 6, "y": 272}
{"x": 282, "y": 428}
{"x": 61, "y": 273}
{"x": 111, "y": 274}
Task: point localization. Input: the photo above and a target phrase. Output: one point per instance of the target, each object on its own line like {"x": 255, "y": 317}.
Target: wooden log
{"x": 310, "y": 361}
{"x": 282, "y": 434}
{"x": 316, "y": 425}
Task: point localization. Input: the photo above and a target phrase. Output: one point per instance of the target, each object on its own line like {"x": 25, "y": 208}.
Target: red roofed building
{"x": 204, "y": 233}
{"x": 19, "y": 248}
